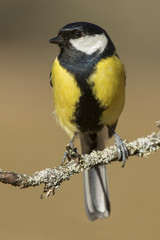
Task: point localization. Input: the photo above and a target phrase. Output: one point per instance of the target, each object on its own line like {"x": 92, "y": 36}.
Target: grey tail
{"x": 97, "y": 202}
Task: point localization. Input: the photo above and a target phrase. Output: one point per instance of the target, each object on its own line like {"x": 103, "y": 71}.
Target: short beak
{"x": 57, "y": 40}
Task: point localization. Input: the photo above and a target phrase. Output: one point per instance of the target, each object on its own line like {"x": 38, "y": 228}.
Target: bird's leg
{"x": 121, "y": 147}
{"x": 69, "y": 149}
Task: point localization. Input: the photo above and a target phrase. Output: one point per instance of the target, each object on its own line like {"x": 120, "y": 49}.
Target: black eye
{"x": 78, "y": 34}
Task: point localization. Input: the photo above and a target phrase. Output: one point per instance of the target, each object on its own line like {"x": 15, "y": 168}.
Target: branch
{"x": 52, "y": 178}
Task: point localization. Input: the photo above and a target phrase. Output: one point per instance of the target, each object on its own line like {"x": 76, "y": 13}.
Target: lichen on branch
{"x": 53, "y": 177}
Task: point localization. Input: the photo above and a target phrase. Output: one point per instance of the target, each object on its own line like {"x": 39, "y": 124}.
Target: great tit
{"x": 88, "y": 82}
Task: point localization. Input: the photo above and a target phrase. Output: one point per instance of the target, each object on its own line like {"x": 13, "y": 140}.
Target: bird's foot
{"x": 71, "y": 152}
{"x": 122, "y": 149}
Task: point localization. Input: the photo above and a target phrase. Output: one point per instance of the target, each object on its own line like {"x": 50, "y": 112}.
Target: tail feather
{"x": 95, "y": 180}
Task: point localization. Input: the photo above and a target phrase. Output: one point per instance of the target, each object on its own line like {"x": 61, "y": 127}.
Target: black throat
{"x": 88, "y": 109}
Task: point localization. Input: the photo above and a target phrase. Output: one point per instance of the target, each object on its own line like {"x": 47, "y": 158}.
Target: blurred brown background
{"x": 31, "y": 140}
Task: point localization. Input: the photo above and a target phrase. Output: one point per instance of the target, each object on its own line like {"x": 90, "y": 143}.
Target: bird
{"x": 88, "y": 81}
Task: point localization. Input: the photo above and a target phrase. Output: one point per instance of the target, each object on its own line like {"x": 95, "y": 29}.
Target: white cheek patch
{"x": 90, "y": 44}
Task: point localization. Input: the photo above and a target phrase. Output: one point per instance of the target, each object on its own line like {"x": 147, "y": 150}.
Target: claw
{"x": 69, "y": 147}
{"x": 121, "y": 148}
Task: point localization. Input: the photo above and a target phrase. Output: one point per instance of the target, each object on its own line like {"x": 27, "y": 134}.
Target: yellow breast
{"x": 66, "y": 94}
{"x": 107, "y": 83}
{"x": 109, "y": 88}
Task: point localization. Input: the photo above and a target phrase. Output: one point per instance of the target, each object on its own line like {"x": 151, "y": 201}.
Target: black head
{"x": 76, "y": 30}
{"x": 82, "y": 36}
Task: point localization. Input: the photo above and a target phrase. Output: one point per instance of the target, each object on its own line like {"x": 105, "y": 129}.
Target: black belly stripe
{"x": 88, "y": 112}
{"x": 88, "y": 109}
